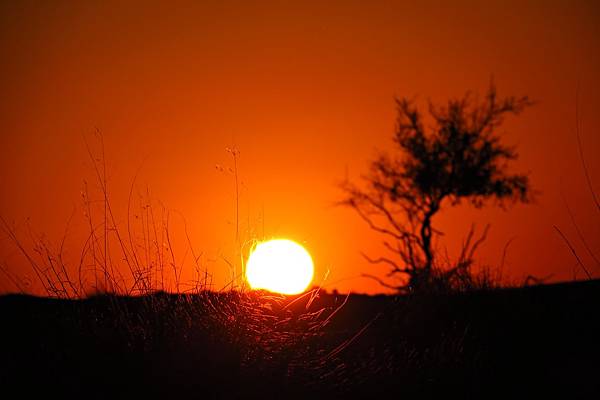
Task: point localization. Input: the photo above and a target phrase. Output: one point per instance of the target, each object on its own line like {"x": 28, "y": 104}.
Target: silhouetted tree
{"x": 459, "y": 158}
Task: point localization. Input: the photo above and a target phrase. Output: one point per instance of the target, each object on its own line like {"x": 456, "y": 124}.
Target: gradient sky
{"x": 306, "y": 92}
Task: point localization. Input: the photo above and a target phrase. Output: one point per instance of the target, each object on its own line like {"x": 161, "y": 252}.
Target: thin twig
{"x": 573, "y": 251}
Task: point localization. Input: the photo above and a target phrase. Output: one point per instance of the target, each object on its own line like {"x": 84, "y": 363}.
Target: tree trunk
{"x": 425, "y": 273}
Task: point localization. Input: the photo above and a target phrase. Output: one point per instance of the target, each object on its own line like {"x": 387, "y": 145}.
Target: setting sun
{"x": 281, "y": 266}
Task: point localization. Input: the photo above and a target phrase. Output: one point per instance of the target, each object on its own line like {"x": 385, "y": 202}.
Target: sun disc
{"x": 281, "y": 266}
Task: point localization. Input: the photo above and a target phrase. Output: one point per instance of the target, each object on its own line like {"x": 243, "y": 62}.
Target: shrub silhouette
{"x": 460, "y": 157}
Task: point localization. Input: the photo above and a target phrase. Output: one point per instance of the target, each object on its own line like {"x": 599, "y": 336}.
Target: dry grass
{"x": 129, "y": 268}
{"x": 125, "y": 258}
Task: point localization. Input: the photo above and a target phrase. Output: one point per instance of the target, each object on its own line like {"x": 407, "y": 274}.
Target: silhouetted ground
{"x": 542, "y": 340}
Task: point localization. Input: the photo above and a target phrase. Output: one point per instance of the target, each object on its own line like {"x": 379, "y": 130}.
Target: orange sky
{"x": 305, "y": 92}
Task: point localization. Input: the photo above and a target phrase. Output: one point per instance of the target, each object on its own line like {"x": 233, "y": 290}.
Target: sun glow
{"x": 281, "y": 266}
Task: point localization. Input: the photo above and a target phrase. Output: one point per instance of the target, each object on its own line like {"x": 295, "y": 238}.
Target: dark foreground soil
{"x": 509, "y": 343}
